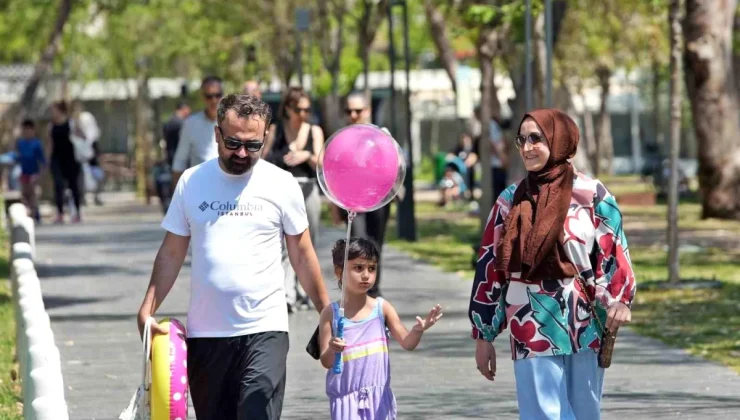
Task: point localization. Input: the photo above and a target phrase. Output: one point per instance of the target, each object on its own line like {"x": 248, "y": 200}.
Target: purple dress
{"x": 363, "y": 390}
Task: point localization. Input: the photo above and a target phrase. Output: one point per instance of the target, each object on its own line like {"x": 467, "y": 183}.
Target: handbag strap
{"x": 591, "y": 304}
{"x": 147, "y": 348}
{"x": 592, "y": 299}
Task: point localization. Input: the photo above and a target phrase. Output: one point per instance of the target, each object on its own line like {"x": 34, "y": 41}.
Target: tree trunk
{"x": 588, "y": 143}
{"x": 369, "y": 25}
{"x": 438, "y": 30}
{"x": 364, "y": 47}
{"x": 14, "y": 113}
{"x": 539, "y": 43}
{"x": 563, "y": 99}
{"x": 675, "y": 138}
{"x": 590, "y": 139}
{"x": 47, "y": 57}
{"x": 284, "y": 53}
{"x": 539, "y": 64}
{"x": 484, "y": 147}
{"x": 142, "y": 134}
{"x": 486, "y": 49}
{"x": 330, "y": 42}
{"x": 512, "y": 55}
{"x": 495, "y": 103}
{"x": 515, "y": 66}
{"x": 714, "y": 104}
{"x": 736, "y": 51}
{"x": 604, "y": 144}
{"x": 656, "y": 104}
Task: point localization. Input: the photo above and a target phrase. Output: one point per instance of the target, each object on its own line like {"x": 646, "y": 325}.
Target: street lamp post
{"x": 406, "y": 220}
{"x": 392, "y": 60}
{"x": 302, "y": 24}
{"x": 250, "y": 58}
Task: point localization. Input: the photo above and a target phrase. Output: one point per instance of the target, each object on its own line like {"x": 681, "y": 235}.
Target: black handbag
{"x": 313, "y": 347}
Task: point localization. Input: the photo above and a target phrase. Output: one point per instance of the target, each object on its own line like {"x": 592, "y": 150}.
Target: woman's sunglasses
{"x": 531, "y": 138}
{"x": 301, "y": 110}
{"x": 354, "y": 111}
{"x": 233, "y": 144}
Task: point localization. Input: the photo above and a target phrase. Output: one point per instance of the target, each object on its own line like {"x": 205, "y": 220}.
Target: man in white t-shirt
{"x": 235, "y": 211}
{"x": 197, "y": 139}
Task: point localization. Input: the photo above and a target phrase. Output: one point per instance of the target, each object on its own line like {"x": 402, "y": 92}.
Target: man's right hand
{"x": 156, "y": 329}
{"x": 485, "y": 358}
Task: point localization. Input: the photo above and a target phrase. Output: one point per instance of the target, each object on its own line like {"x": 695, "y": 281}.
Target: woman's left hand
{"x": 618, "y": 315}
{"x": 296, "y": 158}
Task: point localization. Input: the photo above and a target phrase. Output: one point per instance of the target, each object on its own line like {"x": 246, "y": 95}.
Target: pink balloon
{"x": 362, "y": 168}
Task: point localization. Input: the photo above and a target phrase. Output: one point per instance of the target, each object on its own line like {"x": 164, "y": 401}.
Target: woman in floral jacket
{"x": 530, "y": 273}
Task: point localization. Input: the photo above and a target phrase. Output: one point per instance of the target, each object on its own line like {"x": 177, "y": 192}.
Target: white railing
{"x": 38, "y": 357}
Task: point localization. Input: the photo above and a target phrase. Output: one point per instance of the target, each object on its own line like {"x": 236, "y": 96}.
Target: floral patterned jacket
{"x": 553, "y": 317}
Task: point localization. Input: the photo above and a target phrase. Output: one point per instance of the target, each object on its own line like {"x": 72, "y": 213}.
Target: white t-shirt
{"x": 89, "y": 126}
{"x": 197, "y": 142}
{"x": 236, "y": 224}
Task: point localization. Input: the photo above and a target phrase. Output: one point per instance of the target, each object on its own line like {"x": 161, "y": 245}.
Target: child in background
{"x": 362, "y": 390}
{"x": 452, "y": 185}
{"x": 31, "y": 159}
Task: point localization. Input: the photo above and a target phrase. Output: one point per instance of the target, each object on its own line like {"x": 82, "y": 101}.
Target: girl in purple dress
{"x": 363, "y": 390}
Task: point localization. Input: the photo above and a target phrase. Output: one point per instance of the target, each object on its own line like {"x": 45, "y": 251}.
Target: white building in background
{"x": 432, "y": 99}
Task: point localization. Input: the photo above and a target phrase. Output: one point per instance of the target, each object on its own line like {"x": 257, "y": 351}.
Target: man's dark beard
{"x": 234, "y": 167}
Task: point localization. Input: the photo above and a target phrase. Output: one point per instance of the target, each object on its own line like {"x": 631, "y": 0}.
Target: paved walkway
{"x": 94, "y": 276}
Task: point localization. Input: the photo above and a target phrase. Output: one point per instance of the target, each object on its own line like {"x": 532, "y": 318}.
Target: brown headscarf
{"x": 533, "y": 236}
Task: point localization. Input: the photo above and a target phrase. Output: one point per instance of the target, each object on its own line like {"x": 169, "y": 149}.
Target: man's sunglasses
{"x": 217, "y": 95}
{"x": 531, "y": 138}
{"x": 233, "y": 144}
{"x": 354, "y": 111}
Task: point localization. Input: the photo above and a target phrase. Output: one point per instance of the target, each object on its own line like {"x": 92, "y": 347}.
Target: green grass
{"x": 704, "y": 322}
{"x": 425, "y": 171}
{"x": 9, "y": 389}
{"x": 650, "y": 264}
{"x": 444, "y": 238}
{"x": 608, "y": 180}
{"x": 626, "y": 184}
{"x": 654, "y": 217}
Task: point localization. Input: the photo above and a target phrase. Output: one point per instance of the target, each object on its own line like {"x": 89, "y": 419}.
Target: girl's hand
{"x": 434, "y": 315}
{"x": 337, "y": 345}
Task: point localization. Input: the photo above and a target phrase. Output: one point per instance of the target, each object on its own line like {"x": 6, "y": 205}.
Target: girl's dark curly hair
{"x": 358, "y": 248}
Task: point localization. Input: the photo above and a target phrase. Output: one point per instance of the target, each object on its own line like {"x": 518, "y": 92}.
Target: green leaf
{"x": 480, "y": 14}
{"x": 488, "y": 331}
{"x": 589, "y": 335}
{"x": 546, "y": 312}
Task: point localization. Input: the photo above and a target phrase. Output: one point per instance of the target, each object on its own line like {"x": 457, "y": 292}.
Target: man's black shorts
{"x": 238, "y": 378}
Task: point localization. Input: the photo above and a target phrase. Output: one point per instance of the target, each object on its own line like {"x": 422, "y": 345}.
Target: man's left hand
{"x": 618, "y": 315}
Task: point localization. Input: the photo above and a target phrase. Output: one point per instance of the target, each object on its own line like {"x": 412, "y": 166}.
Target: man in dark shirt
{"x": 172, "y": 128}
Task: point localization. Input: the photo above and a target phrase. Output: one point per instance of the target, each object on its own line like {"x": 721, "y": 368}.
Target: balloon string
{"x": 350, "y": 217}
